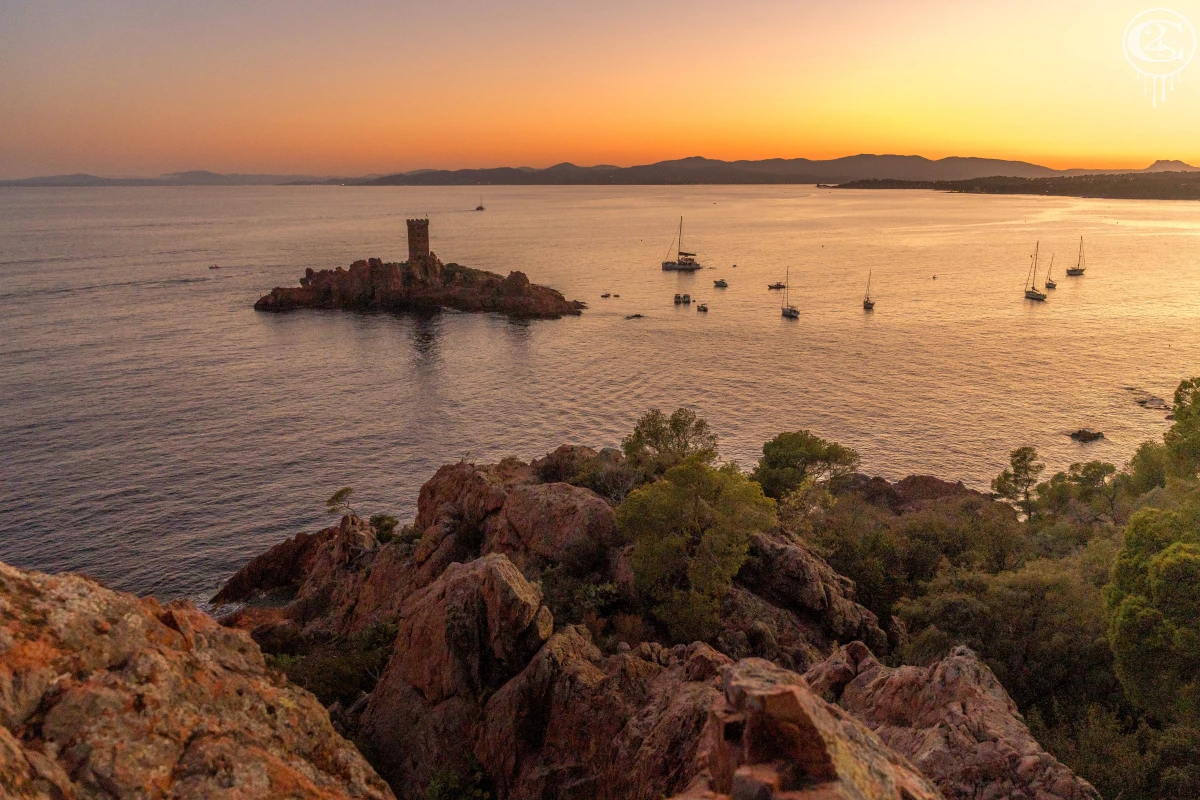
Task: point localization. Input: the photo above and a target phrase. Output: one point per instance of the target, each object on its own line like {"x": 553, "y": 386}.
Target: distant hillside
{"x": 1145, "y": 185}
{"x": 191, "y": 178}
{"x": 684, "y": 171}
{"x": 698, "y": 170}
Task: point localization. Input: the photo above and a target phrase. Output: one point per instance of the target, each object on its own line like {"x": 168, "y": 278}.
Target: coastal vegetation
{"x": 1080, "y": 590}
{"x": 1123, "y": 186}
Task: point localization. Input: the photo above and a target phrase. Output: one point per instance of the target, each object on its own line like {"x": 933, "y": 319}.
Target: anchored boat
{"x": 1080, "y": 263}
{"x": 868, "y": 303}
{"x": 788, "y": 310}
{"x": 1031, "y": 290}
{"x": 684, "y": 262}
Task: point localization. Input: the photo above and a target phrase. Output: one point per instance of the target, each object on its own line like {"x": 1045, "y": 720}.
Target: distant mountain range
{"x": 683, "y": 171}
{"x": 192, "y": 178}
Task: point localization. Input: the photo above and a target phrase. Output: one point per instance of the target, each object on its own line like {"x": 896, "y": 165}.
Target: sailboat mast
{"x": 1035, "y": 260}
{"x": 680, "y": 236}
{"x": 787, "y": 285}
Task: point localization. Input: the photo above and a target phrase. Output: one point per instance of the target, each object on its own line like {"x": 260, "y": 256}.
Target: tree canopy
{"x": 794, "y": 457}
{"x": 659, "y": 442}
{"x": 690, "y": 534}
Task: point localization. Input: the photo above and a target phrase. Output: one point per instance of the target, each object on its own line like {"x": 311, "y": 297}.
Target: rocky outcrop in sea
{"x": 423, "y": 283}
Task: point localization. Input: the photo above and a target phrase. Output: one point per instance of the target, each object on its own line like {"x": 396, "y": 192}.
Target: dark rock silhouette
{"x": 423, "y": 283}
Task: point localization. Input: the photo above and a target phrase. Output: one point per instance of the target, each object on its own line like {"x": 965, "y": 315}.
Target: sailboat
{"x": 1031, "y": 290}
{"x": 684, "y": 262}
{"x": 788, "y": 310}
{"x": 1080, "y": 264}
{"x": 868, "y": 303}
{"x": 480, "y": 206}
{"x": 1050, "y": 284}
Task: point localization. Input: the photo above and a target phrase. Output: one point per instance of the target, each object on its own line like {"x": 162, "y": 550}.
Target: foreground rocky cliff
{"x": 103, "y": 695}
{"x": 497, "y": 668}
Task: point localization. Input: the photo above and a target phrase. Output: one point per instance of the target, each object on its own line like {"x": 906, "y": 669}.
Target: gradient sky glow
{"x": 127, "y": 88}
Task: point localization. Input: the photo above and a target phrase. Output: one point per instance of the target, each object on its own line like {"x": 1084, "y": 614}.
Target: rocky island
{"x": 423, "y": 283}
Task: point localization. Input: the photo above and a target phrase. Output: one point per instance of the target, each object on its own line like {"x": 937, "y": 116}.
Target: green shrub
{"x": 471, "y": 784}
{"x": 659, "y": 442}
{"x": 690, "y": 533}
{"x": 794, "y": 458}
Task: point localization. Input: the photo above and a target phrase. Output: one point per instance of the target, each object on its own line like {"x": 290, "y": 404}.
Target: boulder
{"x": 105, "y": 695}
{"x": 953, "y": 719}
{"x": 783, "y": 571}
{"x": 1086, "y": 435}
{"x": 768, "y": 736}
{"x": 459, "y": 639}
{"x": 552, "y": 522}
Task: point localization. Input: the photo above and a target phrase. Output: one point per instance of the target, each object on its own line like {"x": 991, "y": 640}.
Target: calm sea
{"x": 156, "y": 432}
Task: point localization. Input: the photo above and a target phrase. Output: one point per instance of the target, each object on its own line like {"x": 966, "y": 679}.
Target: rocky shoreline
{"x": 482, "y": 670}
{"x": 423, "y": 283}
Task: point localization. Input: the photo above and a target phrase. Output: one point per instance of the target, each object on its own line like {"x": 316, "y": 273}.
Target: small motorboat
{"x": 721, "y": 283}
{"x": 777, "y": 285}
{"x": 702, "y": 307}
{"x": 635, "y": 316}
{"x": 214, "y": 266}
{"x": 687, "y": 299}
{"x": 678, "y": 299}
{"x": 735, "y": 266}
{"x": 606, "y": 295}
{"x": 616, "y": 295}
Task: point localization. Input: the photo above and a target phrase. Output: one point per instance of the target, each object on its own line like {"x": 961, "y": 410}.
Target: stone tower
{"x": 423, "y": 266}
{"x": 418, "y": 240}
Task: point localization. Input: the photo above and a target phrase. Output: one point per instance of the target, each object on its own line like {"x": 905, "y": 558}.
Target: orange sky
{"x": 142, "y": 88}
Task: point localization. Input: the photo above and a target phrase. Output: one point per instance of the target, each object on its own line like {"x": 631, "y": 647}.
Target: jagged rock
{"x": 787, "y": 604}
{"x": 906, "y": 495}
{"x": 552, "y": 522}
{"x": 458, "y": 640}
{"x": 769, "y": 737}
{"x": 574, "y": 724}
{"x": 105, "y": 695}
{"x": 788, "y": 574}
{"x": 425, "y": 284}
{"x": 1086, "y": 435}
{"x": 954, "y": 720}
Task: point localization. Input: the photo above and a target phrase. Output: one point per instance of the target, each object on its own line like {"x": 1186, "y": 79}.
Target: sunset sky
{"x": 143, "y": 88}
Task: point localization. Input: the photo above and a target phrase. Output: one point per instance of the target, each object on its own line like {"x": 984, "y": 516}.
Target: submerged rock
{"x": 104, "y": 695}
{"x": 1086, "y": 435}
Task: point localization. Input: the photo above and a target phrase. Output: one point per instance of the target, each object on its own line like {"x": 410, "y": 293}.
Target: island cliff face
{"x": 483, "y": 679}
{"x": 422, "y": 283}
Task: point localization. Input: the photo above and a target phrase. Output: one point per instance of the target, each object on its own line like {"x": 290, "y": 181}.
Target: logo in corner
{"x": 1159, "y": 43}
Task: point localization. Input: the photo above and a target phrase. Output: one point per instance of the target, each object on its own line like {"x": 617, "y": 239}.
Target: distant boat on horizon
{"x": 1080, "y": 263}
{"x": 1031, "y": 290}
{"x": 868, "y": 303}
{"x": 684, "y": 262}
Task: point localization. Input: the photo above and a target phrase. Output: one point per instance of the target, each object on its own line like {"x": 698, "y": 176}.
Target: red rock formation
{"x": 769, "y": 736}
{"x": 954, "y": 720}
{"x": 104, "y": 695}
{"x": 427, "y": 284}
